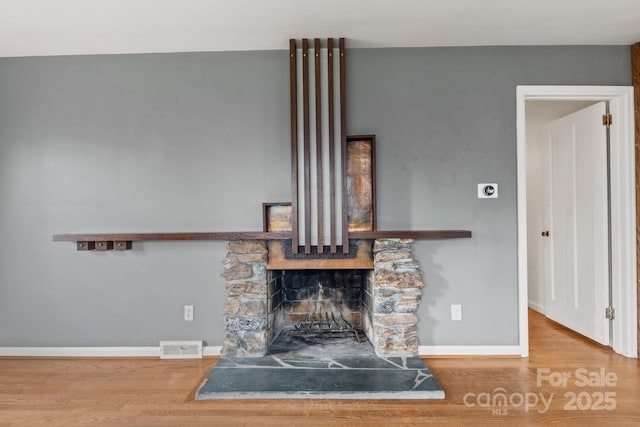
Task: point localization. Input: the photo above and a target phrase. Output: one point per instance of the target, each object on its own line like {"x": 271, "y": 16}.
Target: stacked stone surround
{"x": 392, "y": 295}
{"x": 395, "y": 291}
{"x": 245, "y": 313}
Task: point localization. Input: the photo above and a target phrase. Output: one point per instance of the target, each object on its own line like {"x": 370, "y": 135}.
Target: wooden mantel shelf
{"x": 411, "y": 234}
{"x": 140, "y": 237}
{"x": 122, "y": 241}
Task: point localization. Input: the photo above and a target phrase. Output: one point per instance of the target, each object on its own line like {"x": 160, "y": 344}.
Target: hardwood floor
{"x": 160, "y": 392}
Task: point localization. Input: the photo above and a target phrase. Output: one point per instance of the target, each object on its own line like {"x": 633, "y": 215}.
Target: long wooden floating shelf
{"x": 122, "y": 241}
{"x": 257, "y": 235}
{"x": 411, "y": 234}
{"x": 140, "y": 237}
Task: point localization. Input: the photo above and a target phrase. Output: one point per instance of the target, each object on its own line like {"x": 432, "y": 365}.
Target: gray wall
{"x": 196, "y": 142}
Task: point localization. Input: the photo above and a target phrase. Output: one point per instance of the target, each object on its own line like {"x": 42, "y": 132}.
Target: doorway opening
{"x": 568, "y": 241}
{"x": 622, "y": 202}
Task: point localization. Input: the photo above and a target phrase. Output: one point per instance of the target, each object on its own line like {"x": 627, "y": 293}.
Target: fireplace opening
{"x": 317, "y": 307}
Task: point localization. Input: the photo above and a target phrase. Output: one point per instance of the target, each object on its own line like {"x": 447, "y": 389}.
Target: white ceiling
{"x": 72, "y": 27}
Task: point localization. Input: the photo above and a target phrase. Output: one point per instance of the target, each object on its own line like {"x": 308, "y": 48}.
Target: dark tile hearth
{"x": 338, "y": 368}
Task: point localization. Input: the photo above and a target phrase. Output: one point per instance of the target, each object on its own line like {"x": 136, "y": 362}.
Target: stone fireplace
{"x": 376, "y": 304}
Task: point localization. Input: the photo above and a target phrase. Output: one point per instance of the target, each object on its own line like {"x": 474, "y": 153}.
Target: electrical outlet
{"x": 188, "y": 313}
{"x": 456, "y": 311}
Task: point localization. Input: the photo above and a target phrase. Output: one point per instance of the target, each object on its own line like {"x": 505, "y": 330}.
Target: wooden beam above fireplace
{"x": 123, "y": 240}
{"x": 411, "y": 234}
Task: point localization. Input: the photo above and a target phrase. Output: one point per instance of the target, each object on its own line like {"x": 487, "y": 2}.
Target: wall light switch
{"x": 188, "y": 313}
{"x": 488, "y": 191}
{"x": 456, "y": 311}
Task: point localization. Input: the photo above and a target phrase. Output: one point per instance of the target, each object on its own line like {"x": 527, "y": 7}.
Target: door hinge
{"x": 610, "y": 313}
{"x": 607, "y": 119}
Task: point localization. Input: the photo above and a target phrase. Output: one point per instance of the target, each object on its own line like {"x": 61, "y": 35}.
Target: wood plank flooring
{"x": 159, "y": 392}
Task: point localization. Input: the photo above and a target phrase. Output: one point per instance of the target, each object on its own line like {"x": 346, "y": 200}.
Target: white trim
{"x": 623, "y": 205}
{"x": 93, "y": 351}
{"x": 212, "y": 350}
{"x": 80, "y": 351}
{"x": 469, "y": 350}
{"x": 521, "y": 197}
{"x": 536, "y": 306}
{"x": 456, "y": 350}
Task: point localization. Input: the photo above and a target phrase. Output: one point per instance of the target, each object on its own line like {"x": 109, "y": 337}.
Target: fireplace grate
{"x": 319, "y": 322}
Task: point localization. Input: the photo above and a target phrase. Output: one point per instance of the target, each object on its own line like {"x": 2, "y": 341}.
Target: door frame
{"x": 623, "y": 206}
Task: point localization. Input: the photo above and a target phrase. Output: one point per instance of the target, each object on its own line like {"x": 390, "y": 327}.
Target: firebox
{"x": 318, "y": 303}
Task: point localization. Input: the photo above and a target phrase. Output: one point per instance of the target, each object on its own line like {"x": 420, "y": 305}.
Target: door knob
{"x": 545, "y": 234}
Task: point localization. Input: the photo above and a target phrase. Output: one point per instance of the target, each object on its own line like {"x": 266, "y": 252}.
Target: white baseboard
{"x": 212, "y": 350}
{"x": 469, "y": 350}
{"x": 80, "y": 351}
{"x": 92, "y": 351}
{"x": 437, "y": 350}
{"x": 536, "y": 306}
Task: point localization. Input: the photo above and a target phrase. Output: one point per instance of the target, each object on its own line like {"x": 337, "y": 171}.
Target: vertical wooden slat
{"x": 374, "y": 208}
{"x": 343, "y": 148}
{"x": 332, "y": 151}
{"x": 293, "y": 99}
{"x": 307, "y": 146}
{"x": 319, "y": 174}
{"x": 635, "y": 76}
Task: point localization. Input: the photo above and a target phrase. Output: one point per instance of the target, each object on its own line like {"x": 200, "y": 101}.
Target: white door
{"x": 576, "y": 248}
